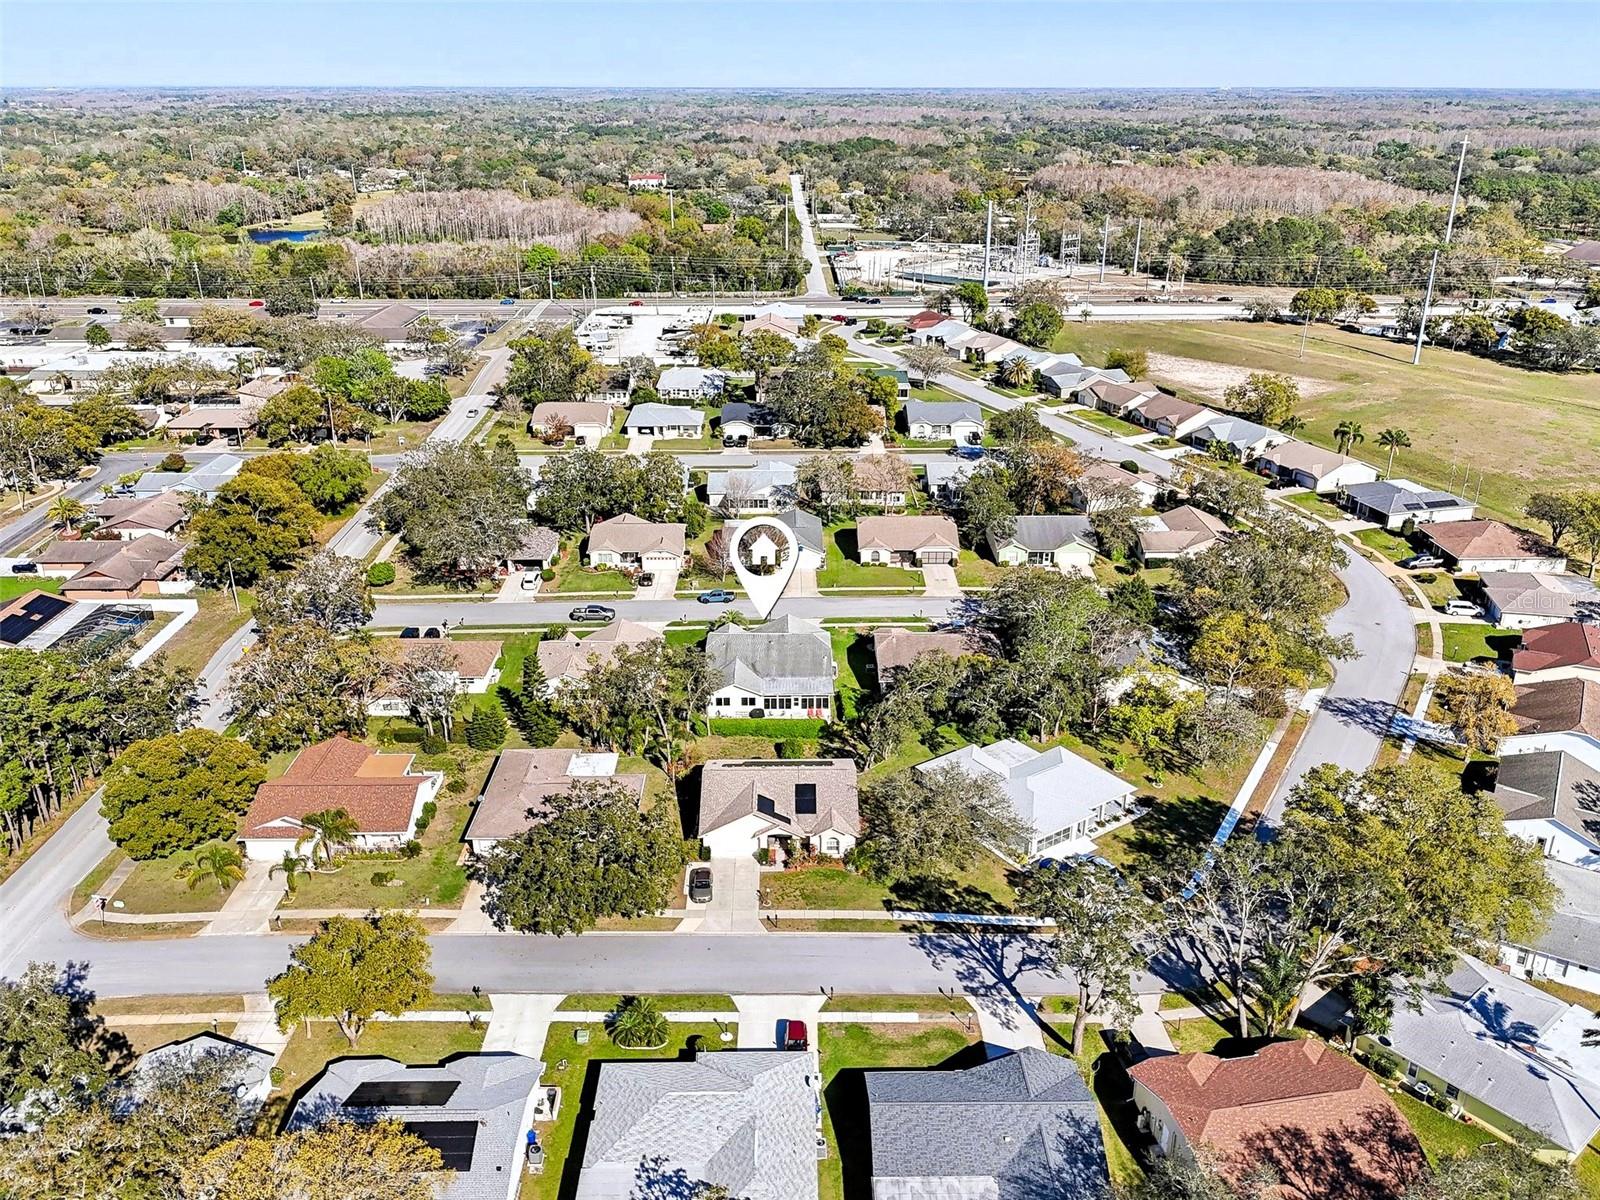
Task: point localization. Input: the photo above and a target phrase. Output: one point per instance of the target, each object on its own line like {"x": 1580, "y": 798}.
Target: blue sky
{"x": 817, "y": 43}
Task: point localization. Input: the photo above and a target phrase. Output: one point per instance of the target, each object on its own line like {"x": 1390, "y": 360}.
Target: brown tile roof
{"x": 628, "y": 534}
{"x": 1488, "y": 539}
{"x": 1301, "y": 1107}
{"x": 215, "y": 416}
{"x": 1180, "y": 529}
{"x": 1303, "y": 456}
{"x": 893, "y": 647}
{"x": 1565, "y": 644}
{"x": 570, "y": 412}
{"x": 119, "y": 565}
{"x": 1559, "y": 706}
{"x": 926, "y": 319}
{"x": 734, "y": 788}
{"x": 1122, "y": 394}
{"x": 906, "y": 533}
{"x": 377, "y": 790}
{"x": 1169, "y": 407}
{"x": 525, "y": 780}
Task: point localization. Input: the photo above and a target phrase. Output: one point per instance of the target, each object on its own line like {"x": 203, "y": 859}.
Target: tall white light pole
{"x": 1433, "y": 270}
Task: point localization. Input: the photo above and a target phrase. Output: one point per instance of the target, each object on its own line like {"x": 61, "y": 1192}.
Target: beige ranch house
{"x": 632, "y": 542}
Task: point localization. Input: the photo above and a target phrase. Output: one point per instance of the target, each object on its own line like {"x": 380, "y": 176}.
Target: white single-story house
{"x": 252, "y": 1066}
{"x": 381, "y": 793}
{"x": 1066, "y": 376}
{"x": 1099, "y": 475}
{"x": 944, "y": 477}
{"x": 630, "y": 541}
{"x": 1244, "y": 439}
{"x": 587, "y": 424}
{"x": 1479, "y": 546}
{"x": 1180, "y": 532}
{"x": 781, "y": 805}
{"x": 960, "y": 421}
{"x": 664, "y": 420}
{"x": 908, "y": 540}
{"x": 1527, "y": 599}
{"x": 1065, "y": 544}
{"x": 568, "y": 658}
{"x": 1567, "y": 950}
{"x": 1064, "y": 800}
{"x": 784, "y": 668}
{"x": 766, "y": 485}
{"x": 1552, "y": 798}
{"x": 806, "y": 527}
{"x": 204, "y": 479}
{"x": 1390, "y": 503}
{"x": 691, "y": 383}
{"x": 1308, "y": 466}
{"x": 741, "y": 422}
{"x": 948, "y": 333}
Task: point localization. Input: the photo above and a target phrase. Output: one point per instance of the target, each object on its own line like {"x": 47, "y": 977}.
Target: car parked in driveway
{"x": 24, "y": 568}
{"x": 715, "y": 596}
{"x": 792, "y": 1035}
{"x": 1419, "y": 562}
{"x": 421, "y": 631}
{"x": 591, "y": 612}
{"x": 1461, "y": 608}
{"x": 700, "y": 885}
{"x": 646, "y": 579}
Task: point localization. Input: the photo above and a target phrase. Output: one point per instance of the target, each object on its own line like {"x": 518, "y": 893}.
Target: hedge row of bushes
{"x": 777, "y": 728}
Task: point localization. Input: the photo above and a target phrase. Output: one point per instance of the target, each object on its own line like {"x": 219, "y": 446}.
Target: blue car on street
{"x": 970, "y": 453}
{"x": 716, "y": 596}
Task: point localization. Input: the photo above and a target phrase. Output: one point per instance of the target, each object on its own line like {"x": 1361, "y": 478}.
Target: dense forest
{"x": 486, "y": 193}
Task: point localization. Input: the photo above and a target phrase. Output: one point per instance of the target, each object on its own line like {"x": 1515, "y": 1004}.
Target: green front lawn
{"x": 434, "y": 878}
{"x": 842, "y": 566}
{"x": 848, "y": 1050}
{"x": 852, "y": 652}
{"x": 12, "y": 586}
{"x": 1195, "y": 1035}
{"x": 982, "y": 887}
{"x": 975, "y": 572}
{"x": 1441, "y": 1136}
{"x": 155, "y": 888}
{"x": 1113, "y": 1095}
{"x": 573, "y": 577}
{"x": 1318, "y": 507}
{"x": 609, "y": 1001}
{"x": 1391, "y": 546}
{"x": 1468, "y": 643}
{"x": 1107, "y": 423}
{"x": 575, "y": 1069}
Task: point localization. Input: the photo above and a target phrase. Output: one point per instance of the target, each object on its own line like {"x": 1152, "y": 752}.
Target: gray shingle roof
{"x": 1390, "y": 496}
{"x": 1019, "y": 1127}
{"x": 657, "y": 416}
{"x": 1511, "y": 1046}
{"x": 786, "y": 657}
{"x": 806, "y": 527}
{"x": 1550, "y": 785}
{"x": 746, "y": 1120}
{"x": 494, "y": 1094}
{"x": 734, "y": 788}
{"x": 943, "y": 412}
{"x": 1048, "y": 532}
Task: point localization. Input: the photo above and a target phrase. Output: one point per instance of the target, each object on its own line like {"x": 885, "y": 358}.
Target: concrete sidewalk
{"x": 759, "y": 1017}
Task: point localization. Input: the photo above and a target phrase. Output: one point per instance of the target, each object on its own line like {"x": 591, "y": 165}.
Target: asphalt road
{"x": 498, "y": 614}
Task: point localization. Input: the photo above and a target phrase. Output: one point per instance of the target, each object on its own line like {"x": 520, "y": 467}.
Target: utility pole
{"x": 672, "y": 211}
{"x": 1105, "y": 244}
{"x": 199, "y": 287}
{"x": 361, "y": 292}
{"x": 593, "y": 286}
{"x": 1138, "y": 236}
{"x": 1433, "y": 270}
{"x": 988, "y": 244}
{"x": 1305, "y": 324}
{"x": 550, "y": 278}
{"x": 786, "y": 224}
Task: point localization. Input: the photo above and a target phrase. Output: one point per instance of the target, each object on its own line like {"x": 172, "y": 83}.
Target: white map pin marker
{"x": 764, "y": 558}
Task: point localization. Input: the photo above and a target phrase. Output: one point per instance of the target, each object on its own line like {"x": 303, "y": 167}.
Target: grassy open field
{"x": 1523, "y": 430}
{"x": 12, "y": 586}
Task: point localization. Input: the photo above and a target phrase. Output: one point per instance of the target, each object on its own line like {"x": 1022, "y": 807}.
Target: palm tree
{"x": 1393, "y": 439}
{"x": 66, "y": 512}
{"x": 330, "y": 828}
{"x": 638, "y": 1024}
{"x": 292, "y": 867}
{"x": 216, "y": 861}
{"x": 1346, "y": 434}
{"x": 1016, "y": 372}
{"x": 1292, "y": 424}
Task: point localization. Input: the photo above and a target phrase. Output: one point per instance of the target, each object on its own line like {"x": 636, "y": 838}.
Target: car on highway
{"x": 508, "y": 300}
{"x": 700, "y": 885}
{"x": 1421, "y": 562}
{"x": 635, "y": 303}
{"x": 591, "y": 612}
{"x": 97, "y": 312}
{"x": 970, "y": 453}
{"x": 257, "y": 304}
{"x": 873, "y": 300}
{"x": 716, "y": 596}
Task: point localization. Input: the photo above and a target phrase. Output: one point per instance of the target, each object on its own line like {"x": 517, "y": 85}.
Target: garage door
{"x": 942, "y": 558}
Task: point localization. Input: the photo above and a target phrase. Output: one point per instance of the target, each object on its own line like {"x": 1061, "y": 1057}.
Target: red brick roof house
{"x": 1301, "y": 1108}
{"x": 1566, "y": 650}
{"x": 381, "y": 793}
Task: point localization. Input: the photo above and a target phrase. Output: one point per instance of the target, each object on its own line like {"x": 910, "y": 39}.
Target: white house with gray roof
{"x": 1244, "y": 439}
{"x": 760, "y": 488}
{"x": 960, "y": 421}
{"x": 1390, "y": 503}
{"x": 1508, "y": 1054}
{"x": 1552, "y": 798}
{"x": 204, "y": 479}
{"x": 1065, "y": 800}
{"x": 806, "y": 527}
{"x": 1019, "y": 1127}
{"x": 476, "y": 1110}
{"x": 748, "y": 1121}
{"x": 664, "y": 420}
{"x": 251, "y": 1066}
{"x": 784, "y": 668}
{"x": 691, "y": 383}
{"x": 778, "y": 803}
{"x": 1056, "y": 543}
{"x": 1567, "y": 950}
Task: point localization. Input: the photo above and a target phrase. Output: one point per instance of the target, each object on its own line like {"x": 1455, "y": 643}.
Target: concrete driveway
{"x": 939, "y": 580}
{"x": 664, "y": 587}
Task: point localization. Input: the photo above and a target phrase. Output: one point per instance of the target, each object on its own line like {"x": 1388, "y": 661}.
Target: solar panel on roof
{"x": 402, "y": 1093}
{"x": 34, "y": 614}
{"x": 1447, "y": 502}
{"x": 454, "y": 1140}
{"x": 805, "y": 798}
